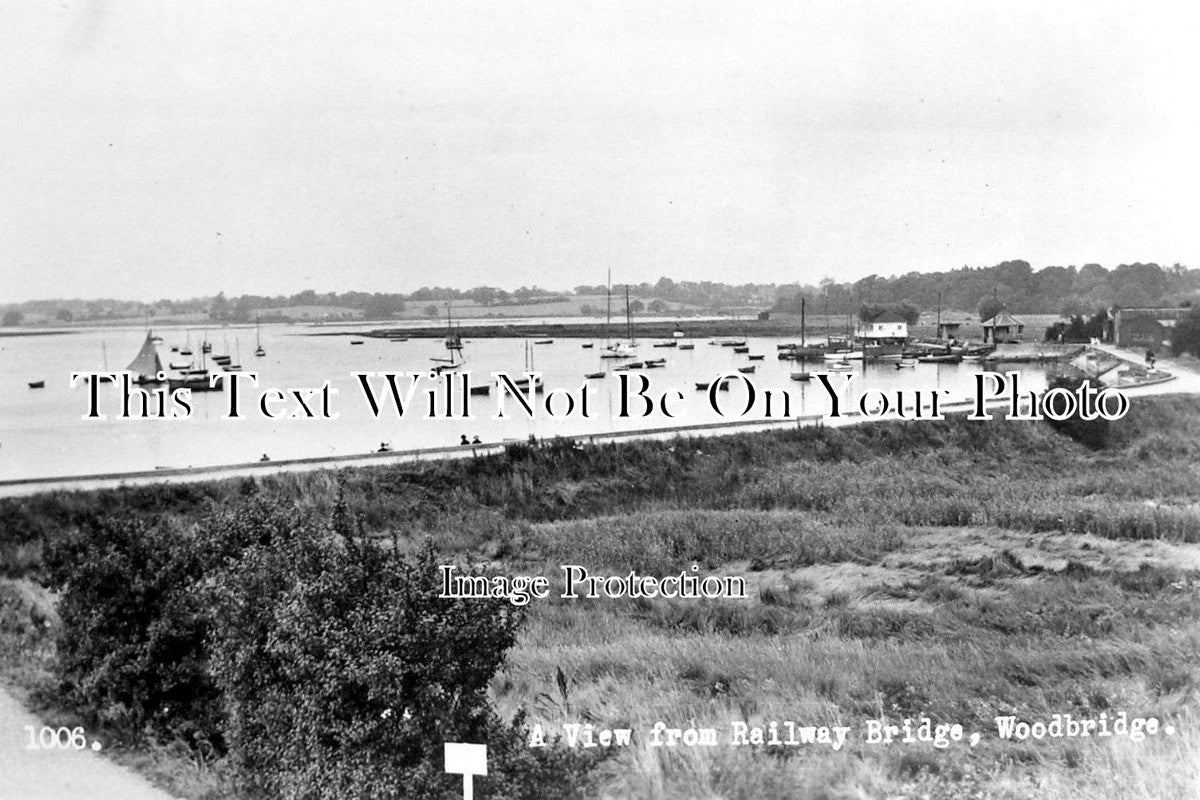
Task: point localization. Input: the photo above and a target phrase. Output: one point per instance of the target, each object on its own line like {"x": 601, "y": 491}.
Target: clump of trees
{"x": 1079, "y": 329}
{"x": 869, "y": 312}
{"x": 1185, "y": 338}
{"x": 1092, "y": 433}
{"x": 315, "y": 662}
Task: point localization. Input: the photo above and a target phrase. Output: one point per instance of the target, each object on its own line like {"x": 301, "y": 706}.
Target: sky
{"x": 177, "y": 149}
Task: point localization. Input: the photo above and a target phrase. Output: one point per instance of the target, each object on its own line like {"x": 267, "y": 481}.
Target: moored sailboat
{"x": 146, "y": 365}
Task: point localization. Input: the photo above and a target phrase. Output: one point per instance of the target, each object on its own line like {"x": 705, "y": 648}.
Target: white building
{"x": 885, "y": 327}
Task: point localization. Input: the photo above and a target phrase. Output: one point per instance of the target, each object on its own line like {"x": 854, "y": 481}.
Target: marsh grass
{"x": 953, "y": 569}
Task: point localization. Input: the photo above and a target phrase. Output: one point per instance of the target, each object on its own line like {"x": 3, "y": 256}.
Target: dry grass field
{"x": 955, "y": 570}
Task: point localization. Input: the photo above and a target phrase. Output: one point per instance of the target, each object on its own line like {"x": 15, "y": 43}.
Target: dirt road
{"x": 59, "y": 774}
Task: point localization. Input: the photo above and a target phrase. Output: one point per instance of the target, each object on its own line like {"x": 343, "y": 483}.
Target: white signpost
{"x": 466, "y": 760}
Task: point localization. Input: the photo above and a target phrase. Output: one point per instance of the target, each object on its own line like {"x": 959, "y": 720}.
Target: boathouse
{"x": 1003, "y": 329}
{"x": 1145, "y": 327}
{"x": 887, "y": 327}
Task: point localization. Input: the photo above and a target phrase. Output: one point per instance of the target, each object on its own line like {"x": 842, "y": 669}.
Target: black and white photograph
{"x": 656, "y": 400}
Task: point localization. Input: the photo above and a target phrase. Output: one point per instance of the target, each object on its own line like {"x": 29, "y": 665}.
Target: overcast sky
{"x": 178, "y": 149}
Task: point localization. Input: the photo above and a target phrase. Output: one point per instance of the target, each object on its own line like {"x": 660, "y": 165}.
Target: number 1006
{"x": 48, "y": 738}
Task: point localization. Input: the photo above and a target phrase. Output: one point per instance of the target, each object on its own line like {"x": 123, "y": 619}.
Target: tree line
{"x": 1013, "y": 286}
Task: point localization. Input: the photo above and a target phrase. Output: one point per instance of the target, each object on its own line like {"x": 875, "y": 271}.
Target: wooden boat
{"x": 628, "y": 366}
{"x": 482, "y": 388}
{"x": 758, "y": 357}
{"x": 940, "y": 359}
{"x": 665, "y": 344}
{"x": 356, "y": 341}
{"x": 654, "y": 364}
{"x": 146, "y": 365}
{"x": 741, "y": 349}
{"x": 839, "y": 366}
{"x": 655, "y": 361}
{"x": 801, "y": 353}
{"x": 591, "y": 376}
{"x": 802, "y": 376}
{"x": 399, "y": 339}
{"x": 703, "y": 386}
{"x": 197, "y": 380}
{"x": 37, "y": 384}
{"x": 619, "y": 349}
{"x": 747, "y": 370}
{"x": 844, "y": 355}
{"x": 523, "y": 383}
{"x": 543, "y": 341}
{"x": 259, "y": 352}
{"x": 687, "y": 347}
{"x": 589, "y": 345}
{"x": 906, "y": 363}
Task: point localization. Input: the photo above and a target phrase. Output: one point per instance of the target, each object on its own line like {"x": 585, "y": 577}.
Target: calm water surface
{"x": 42, "y": 432}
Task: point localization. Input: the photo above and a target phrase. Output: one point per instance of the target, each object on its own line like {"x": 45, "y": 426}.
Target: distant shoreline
{"x": 783, "y": 327}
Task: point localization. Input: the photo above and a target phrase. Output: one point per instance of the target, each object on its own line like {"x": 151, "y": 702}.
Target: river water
{"x": 44, "y": 432}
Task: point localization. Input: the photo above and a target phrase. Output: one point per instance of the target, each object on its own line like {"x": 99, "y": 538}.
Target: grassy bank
{"x": 953, "y": 569}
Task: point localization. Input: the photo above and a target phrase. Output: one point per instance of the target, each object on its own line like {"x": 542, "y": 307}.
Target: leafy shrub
{"x": 1094, "y": 432}
{"x": 325, "y": 665}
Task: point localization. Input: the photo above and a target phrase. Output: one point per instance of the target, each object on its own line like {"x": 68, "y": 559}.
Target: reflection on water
{"x": 43, "y": 433}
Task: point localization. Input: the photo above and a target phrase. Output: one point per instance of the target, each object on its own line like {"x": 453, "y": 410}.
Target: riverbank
{"x": 28, "y": 486}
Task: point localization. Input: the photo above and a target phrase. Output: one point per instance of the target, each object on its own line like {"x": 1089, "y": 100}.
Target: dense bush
{"x": 1092, "y": 433}
{"x": 1079, "y": 330}
{"x": 324, "y": 664}
{"x": 1185, "y": 336}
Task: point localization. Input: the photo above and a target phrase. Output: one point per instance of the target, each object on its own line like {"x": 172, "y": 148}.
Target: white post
{"x": 468, "y": 760}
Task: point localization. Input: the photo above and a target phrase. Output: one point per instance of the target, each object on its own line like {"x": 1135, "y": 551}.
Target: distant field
{"x": 567, "y": 307}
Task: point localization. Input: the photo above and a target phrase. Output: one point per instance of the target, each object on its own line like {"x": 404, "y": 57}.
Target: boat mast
{"x": 826, "y": 315}
{"x": 628, "y": 318}
{"x": 802, "y": 344}
{"x": 608, "y": 313}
